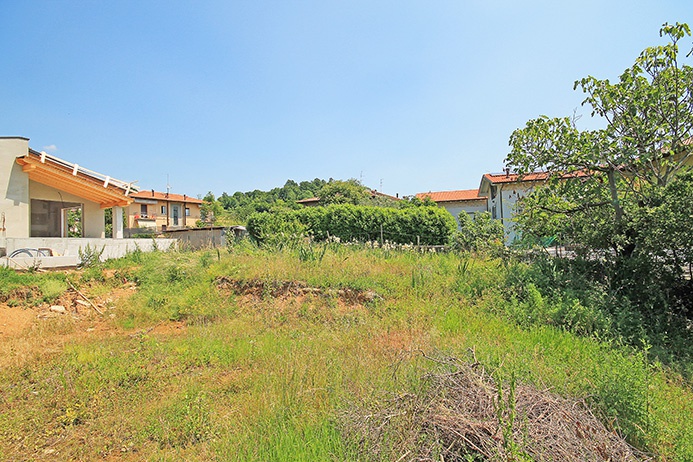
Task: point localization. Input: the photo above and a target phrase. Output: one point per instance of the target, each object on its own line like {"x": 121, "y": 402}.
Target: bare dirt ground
{"x": 14, "y": 320}
{"x": 31, "y": 332}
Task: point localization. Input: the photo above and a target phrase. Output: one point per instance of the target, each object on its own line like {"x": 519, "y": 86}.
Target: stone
{"x": 58, "y": 309}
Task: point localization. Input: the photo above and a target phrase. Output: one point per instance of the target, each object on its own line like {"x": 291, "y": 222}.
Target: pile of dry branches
{"x": 466, "y": 414}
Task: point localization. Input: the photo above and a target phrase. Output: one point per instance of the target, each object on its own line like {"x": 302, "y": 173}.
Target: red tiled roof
{"x": 375, "y": 193}
{"x": 496, "y": 178}
{"x": 160, "y": 196}
{"x": 452, "y": 196}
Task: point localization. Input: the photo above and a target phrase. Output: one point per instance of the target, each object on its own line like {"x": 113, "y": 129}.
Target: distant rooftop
{"x": 162, "y": 196}
{"x": 460, "y": 195}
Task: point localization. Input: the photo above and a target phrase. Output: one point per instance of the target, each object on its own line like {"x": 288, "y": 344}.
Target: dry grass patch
{"x": 466, "y": 414}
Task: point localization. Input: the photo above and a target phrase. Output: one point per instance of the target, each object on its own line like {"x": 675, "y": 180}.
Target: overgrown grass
{"x": 30, "y": 288}
{"x": 267, "y": 378}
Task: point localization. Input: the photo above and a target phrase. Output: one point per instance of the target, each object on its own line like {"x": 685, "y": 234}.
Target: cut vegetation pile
{"x": 467, "y": 414}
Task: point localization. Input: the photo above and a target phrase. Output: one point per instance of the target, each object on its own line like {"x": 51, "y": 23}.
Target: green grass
{"x": 30, "y": 288}
{"x": 268, "y": 379}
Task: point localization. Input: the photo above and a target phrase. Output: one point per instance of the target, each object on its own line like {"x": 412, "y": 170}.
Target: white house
{"x": 456, "y": 202}
{"x": 501, "y": 192}
{"x": 38, "y": 192}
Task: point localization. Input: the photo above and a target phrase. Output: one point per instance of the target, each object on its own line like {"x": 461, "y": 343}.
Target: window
{"x": 187, "y": 211}
{"x": 143, "y": 210}
{"x": 163, "y": 210}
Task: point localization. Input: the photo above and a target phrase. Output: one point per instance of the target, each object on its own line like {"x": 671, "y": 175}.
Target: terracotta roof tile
{"x": 160, "y": 196}
{"x": 452, "y": 196}
{"x": 496, "y": 178}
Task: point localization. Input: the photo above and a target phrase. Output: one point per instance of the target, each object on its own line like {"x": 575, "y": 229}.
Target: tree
{"x": 478, "y": 234}
{"x": 622, "y": 195}
{"x": 210, "y": 210}
{"x": 669, "y": 226}
{"x": 343, "y": 192}
{"x": 599, "y": 181}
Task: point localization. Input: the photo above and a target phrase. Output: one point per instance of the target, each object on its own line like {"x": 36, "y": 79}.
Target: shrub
{"x": 413, "y": 225}
{"x": 478, "y": 234}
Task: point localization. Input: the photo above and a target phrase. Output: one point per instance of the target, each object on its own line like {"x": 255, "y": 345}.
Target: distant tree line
{"x": 239, "y": 206}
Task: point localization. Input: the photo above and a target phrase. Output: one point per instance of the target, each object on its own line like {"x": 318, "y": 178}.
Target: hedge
{"x": 424, "y": 225}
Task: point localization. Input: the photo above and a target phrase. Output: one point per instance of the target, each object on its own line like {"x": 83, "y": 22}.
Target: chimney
{"x": 152, "y": 193}
{"x": 507, "y": 172}
{"x": 185, "y": 197}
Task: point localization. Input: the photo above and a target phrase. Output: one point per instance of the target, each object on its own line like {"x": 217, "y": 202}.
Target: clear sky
{"x": 228, "y": 96}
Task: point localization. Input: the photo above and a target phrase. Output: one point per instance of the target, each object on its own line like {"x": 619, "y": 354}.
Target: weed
{"x": 184, "y": 422}
{"x": 90, "y": 256}
{"x": 308, "y": 252}
{"x": 205, "y": 260}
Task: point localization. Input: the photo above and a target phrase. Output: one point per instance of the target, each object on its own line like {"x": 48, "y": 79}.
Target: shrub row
{"x": 422, "y": 225}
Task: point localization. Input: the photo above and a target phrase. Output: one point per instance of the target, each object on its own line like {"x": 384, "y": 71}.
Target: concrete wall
{"x": 113, "y": 248}
{"x": 14, "y": 189}
{"x": 200, "y": 238}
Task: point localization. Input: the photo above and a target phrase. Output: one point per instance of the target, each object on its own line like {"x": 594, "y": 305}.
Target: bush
{"x": 480, "y": 234}
{"x": 631, "y": 300}
{"x": 414, "y": 225}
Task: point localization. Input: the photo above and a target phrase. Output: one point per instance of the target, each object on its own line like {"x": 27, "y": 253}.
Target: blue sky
{"x": 240, "y": 95}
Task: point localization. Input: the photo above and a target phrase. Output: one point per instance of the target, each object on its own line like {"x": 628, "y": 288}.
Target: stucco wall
{"x": 14, "y": 188}
{"x": 160, "y": 219}
{"x": 505, "y": 204}
{"x": 470, "y": 207}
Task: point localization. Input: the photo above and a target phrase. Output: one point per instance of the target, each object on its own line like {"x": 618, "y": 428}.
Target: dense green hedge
{"x": 431, "y": 225}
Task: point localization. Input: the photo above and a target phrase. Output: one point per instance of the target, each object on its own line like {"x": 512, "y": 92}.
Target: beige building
{"x": 163, "y": 211}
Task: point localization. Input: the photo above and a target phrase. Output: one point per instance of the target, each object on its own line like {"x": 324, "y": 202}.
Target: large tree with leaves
{"x": 602, "y": 182}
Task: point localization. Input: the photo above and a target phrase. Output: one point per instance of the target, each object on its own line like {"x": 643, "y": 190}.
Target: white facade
{"x": 14, "y": 189}
{"x": 468, "y": 207}
{"x": 502, "y": 193}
